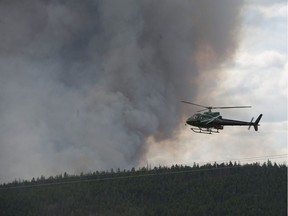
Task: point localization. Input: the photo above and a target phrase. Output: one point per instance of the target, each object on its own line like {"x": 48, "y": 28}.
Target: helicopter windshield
{"x": 197, "y": 116}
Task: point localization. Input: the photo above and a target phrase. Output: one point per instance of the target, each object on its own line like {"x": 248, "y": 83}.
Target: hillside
{"x": 211, "y": 189}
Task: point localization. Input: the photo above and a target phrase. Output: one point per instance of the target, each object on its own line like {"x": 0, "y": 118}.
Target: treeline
{"x": 210, "y": 189}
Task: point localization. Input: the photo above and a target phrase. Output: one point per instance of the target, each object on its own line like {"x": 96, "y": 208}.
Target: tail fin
{"x": 255, "y": 124}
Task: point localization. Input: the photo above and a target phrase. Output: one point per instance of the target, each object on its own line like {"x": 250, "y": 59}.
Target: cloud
{"x": 274, "y": 10}
{"x": 268, "y": 59}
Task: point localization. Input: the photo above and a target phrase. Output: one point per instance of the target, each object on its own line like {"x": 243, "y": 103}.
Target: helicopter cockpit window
{"x": 197, "y": 117}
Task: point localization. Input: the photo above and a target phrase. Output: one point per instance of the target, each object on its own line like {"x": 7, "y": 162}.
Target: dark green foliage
{"x": 211, "y": 189}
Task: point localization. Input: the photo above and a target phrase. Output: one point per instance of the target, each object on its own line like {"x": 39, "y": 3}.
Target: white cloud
{"x": 274, "y": 10}
{"x": 266, "y": 60}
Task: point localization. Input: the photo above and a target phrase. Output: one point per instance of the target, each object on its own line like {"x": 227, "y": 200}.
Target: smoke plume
{"x": 85, "y": 83}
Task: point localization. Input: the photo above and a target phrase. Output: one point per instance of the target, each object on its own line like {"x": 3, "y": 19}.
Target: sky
{"x": 95, "y": 85}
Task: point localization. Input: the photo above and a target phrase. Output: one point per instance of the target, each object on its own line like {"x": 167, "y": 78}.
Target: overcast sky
{"x": 95, "y": 85}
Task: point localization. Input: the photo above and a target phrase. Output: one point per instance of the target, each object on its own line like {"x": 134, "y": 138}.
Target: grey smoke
{"x": 85, "y": 83}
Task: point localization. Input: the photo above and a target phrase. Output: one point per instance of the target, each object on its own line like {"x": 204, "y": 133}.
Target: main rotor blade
{"x": 231, "y": 107}
{"x": 210, "y": 107}
{"x": 193, "y": 104}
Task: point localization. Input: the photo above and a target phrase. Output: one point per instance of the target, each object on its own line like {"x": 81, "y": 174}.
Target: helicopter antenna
{"x": 210, "y": 107}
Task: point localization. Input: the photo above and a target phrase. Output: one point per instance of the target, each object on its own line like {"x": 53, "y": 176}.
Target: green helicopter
{"x": 211, "y": 122}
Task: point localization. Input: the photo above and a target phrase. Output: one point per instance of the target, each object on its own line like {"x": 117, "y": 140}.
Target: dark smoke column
{"x": 85, "y": 84}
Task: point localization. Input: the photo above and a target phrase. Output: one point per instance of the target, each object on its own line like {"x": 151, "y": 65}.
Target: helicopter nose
{"x": 189, "y": 121}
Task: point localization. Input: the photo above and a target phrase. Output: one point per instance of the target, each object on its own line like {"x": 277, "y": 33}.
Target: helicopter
{"x": 211, "y": 122}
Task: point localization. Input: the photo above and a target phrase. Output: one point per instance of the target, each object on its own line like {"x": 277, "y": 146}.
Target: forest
{"x": 209, "y": 189}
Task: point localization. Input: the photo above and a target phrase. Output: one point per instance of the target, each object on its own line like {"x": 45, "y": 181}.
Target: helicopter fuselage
{"x": 207, "y": 121}
{"x": 213, "y": 120}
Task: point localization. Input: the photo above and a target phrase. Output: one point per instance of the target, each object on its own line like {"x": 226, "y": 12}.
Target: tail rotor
{"x": 251, "y": 123}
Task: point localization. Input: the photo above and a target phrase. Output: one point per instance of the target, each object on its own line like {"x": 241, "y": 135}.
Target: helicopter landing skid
{"x": 204, "y": 131}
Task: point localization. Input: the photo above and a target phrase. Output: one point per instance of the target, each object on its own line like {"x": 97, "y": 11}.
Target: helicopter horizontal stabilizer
{"x": 256, "y": 123}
